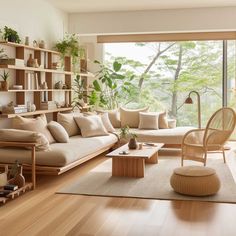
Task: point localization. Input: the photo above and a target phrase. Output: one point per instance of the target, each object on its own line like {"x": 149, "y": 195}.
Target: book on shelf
{"x": 31, "y": 81}
{"x": 49, "y": 105}
{"x": 12, "y": 61}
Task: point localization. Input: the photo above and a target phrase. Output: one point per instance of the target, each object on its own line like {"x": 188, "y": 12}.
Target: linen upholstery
{"x": 130, "y": 117}
{"x": 107, "y": 123}
{"x": 91, "y": 126}
{"x": 114, "y": 117}
{"x": 60, "y": 154}
{"x": 68, "y": 122}
{"x": 17, "y": 121}
{"x": 16, "y": 135}
{"x": 38, "y": 126}
{"x": 162, "y": 120}
{"x": 148, "y": 120}
{"x": 58, "y": 132}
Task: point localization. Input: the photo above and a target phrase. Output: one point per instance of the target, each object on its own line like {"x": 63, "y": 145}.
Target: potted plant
{"x": 79, "y": 91}
{"x": 69, "y": 46}
{"x": 4, "y": 83}
{"x": 10, "y": 35}
{"x": 126, "y": 134}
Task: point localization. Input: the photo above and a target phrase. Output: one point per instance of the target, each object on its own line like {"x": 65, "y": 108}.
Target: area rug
{"x": 155, "y": 184}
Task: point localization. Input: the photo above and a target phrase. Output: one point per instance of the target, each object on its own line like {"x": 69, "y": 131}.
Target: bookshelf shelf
{"x": 37, "y": 90}
{"x": 38, "y": 112}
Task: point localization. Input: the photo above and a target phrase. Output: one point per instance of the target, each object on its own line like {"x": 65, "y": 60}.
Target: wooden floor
{"x": 42, "y": 212}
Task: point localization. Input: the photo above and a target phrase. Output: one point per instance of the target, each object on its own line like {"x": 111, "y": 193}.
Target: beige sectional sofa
{"x": 61, "y": 157}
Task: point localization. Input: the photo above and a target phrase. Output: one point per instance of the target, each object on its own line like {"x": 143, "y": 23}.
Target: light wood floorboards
{"x": 42, "y": 212}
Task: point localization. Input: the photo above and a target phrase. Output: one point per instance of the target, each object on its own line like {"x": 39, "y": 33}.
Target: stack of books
{"x": 48, "y": 105}
{"x": 12, "y": 61}
{"x": 20, "y": 109}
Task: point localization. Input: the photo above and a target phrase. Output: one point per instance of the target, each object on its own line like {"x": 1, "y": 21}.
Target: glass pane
{"x": 163, "y": 74}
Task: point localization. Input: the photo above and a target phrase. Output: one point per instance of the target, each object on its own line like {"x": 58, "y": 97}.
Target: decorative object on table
{"x": 195, "y": 181}
{"x": 27, "y": 41}
{"x": 197, "y": 143}
{"x": 9, "y": 109}
{"x": 10, "y": 35}
{"x": 35, "y": 44}
{"x": 59, "y": 85}
{"x": 190, "y": 101}
{"x": 42, "y": 44}
{"x": 126, "y": 134}
{"x": 3, "y": 176}
{"x": 4, "y": 83}
{"x": 35, "y": 63}
{"x": 30, "y": 61}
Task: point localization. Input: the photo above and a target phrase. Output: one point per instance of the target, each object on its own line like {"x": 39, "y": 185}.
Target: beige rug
{"x": 155, "y": 184}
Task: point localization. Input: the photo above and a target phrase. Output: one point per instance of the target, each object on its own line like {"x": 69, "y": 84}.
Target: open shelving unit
{"x": 48, "y": 76}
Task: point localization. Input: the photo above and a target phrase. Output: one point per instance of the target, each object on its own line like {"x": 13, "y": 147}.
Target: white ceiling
{"x": 73, "y": 6}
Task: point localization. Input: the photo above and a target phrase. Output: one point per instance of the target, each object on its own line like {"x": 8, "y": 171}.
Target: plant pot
{"x": 11, "y": 38}
{"x": 4, "y": 85}
{"x": 133, "y": 143}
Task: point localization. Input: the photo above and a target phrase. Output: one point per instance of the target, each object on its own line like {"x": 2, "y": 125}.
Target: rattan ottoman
{"x": 195, "y": 181}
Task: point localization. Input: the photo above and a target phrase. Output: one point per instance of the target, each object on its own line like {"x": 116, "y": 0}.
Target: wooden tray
{"x": 16, "y": 193}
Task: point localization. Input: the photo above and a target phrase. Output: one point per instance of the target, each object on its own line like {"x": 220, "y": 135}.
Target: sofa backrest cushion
{"x": 38, "y": 126}
{"x": 17, "y": 121}
{"x": 16, "y": 135}
{"x": 130, "y": 117}
{"x": 148, "y": 120}
{"x": 58, "y": 132}
{"x": 107, "y": 123}
{"x": 162, "y": 120}
{"x": 68, "y": 122}
{"x": 91, "y": 126}
{"x": 114, "y": 117}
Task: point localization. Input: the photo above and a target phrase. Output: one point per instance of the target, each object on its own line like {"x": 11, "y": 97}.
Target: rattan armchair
{"x": 198, "y": 142}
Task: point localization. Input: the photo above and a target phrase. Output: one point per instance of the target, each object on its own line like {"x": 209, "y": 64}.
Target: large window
{"x": 164, "y": 73}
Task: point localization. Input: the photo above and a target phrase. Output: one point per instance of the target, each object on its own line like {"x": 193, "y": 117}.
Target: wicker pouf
{"x": 195, "y": 181}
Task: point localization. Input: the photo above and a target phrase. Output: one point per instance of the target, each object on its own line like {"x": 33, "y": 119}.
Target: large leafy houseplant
{"x": 109, "y": 85}
{"x": 69, "y": 46}
{"x": 10, "y": 35}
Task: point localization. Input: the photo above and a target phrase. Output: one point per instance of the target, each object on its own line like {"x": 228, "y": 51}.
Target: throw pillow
{"x": 162, "y": 121}
{"x": 38, "y": 126}
{"x": 114, "y": 117}
{"x": 17, "y": 121}
{"x": 107, "y": 123}
{"x": 68, "y": 122}
{"x": 148, "y": 120}
{"x": 91, "y": 126}
{"x": 130, "y": 117}
{"x": 58, "y": 132}
{"x": 16, "y": 135}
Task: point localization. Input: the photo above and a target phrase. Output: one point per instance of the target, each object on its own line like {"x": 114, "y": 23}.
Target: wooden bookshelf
{"x": 36, "y": 90}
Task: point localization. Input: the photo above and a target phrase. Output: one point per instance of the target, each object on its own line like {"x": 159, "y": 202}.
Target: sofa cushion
{"x": 114, "y": 117}
{"x": 162, "y": 120}
{"x": 39, "y": 126}
{"x": 17, "y": 121}
{"x": 58, "y": 132}
{"x": 16, "y": 135}
{"x": 91, "y": 126}
{"x": 107, "y": 123}
{"x": 68, "y": 122}
{"x": 60, "y": 154}
{"x": 130, "y": 117}
{"x": 148, "y": 120}
{"x": 167, "y": 136}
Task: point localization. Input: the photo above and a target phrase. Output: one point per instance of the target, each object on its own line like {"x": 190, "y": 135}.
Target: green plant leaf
{"x": 97, "y": 86}
{"x": 116, "y": 66}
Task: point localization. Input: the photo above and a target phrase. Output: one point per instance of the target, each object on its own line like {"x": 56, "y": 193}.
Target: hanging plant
{"x": 69, "y": 46}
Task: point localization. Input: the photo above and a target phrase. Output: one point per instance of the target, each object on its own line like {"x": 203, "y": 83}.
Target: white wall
{"x": 34, "y": 18}
{"x": 160, "y": 21}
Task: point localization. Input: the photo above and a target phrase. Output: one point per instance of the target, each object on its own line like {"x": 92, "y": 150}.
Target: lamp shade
{"x": 188, "y": 100}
